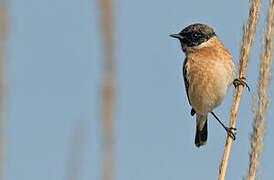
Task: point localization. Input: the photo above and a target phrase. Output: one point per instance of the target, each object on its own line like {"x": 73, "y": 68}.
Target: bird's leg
{"x": 240, "y": 81}
{"x": 192, "y": 112}
{"x": 228, "y": 130}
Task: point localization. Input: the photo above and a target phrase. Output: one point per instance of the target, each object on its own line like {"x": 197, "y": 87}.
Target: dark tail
{"x": 201, "y": 131}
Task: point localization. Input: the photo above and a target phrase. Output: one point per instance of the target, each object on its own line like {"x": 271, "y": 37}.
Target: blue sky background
{"x": 53, "y": 78}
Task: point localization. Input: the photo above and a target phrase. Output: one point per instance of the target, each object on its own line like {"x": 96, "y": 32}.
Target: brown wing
{"x": 187, "y": 85}
{"x": 185, "y": 79}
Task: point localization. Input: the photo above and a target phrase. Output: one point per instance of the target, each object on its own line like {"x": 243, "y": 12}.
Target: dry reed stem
{"x": 247, "y": 41}
{"x": 259, "y": 113}
{"x": 108, "y": 89}
{"x": 76, "y": 153}
{"x": 3, "y": 52}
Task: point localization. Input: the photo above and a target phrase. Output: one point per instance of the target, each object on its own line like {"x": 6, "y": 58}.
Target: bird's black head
{"x": 194, "y": 35}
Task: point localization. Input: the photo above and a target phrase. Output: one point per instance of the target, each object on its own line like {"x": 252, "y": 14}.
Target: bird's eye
{"x": 195, "y": 35}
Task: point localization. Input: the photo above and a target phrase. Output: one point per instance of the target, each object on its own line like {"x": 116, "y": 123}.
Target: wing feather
{"x": 185, "y": 79}
{"x": 187, "y": 84}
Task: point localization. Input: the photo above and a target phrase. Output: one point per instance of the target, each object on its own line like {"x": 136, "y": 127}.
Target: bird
{"x": 208, "y": 73}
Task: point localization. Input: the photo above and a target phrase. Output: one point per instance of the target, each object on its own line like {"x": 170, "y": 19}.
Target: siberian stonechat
{"x": 208, "y": 72}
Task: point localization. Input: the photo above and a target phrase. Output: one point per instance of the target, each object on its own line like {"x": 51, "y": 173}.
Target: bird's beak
{"x": 177, "y": 36}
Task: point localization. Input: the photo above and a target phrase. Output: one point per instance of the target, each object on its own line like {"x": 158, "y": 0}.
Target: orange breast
{"x": 210, "y": 72}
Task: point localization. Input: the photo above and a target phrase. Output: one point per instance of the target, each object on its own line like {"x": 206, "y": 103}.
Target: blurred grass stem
{"x": 108, "y": 87}
{"x": 3, "y": 56}
{"x": 260, "y": 112}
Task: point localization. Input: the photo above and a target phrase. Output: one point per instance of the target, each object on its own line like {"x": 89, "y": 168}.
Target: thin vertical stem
{"x": 76, "y": 149}
{"x": 108, "y": 89}
{"x": 247, "y": 42}
{"x": 259, "y": 113}
{"x": 3, "y": 54}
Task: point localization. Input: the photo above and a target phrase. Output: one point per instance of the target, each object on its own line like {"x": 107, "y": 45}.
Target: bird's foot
{"x": 231, "y": 133}
{"x": 240, "y": 81}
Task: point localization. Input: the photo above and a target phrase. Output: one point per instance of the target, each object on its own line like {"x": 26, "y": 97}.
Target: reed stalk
{"x": 260, "y": 111}
{"x": 3, "y": 56}
{"x": 249, "y": 31}
{"x": 108, "y": 88}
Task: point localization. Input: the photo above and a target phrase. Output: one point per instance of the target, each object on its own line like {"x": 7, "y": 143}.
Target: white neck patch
{"x": 204, "y": 44}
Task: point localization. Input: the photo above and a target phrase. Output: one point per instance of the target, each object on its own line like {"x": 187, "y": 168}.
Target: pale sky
{"x": 53, "y": 78}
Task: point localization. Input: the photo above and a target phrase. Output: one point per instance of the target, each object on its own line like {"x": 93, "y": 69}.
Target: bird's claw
{"x": 240, "y": 81}
{"x": 231, "y": 133}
